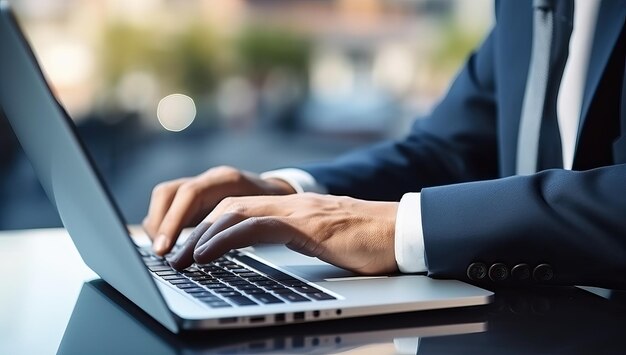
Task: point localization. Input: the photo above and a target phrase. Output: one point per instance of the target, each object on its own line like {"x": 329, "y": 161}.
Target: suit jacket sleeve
{"x": 456, "y": 143}
{"x": 573, "y": 221}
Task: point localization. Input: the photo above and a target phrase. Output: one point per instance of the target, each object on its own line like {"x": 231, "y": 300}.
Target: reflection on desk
{"x": 549, "y": 320}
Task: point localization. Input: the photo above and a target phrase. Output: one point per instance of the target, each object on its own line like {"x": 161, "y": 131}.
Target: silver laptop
{"x": 258, "y": 286}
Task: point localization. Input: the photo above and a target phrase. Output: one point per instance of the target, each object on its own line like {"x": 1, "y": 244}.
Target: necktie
{"x": 536, "y": 87}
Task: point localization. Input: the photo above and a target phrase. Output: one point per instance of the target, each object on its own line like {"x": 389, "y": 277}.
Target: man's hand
{"x": 353, "y": 234}
{"x": 184, "y": 202}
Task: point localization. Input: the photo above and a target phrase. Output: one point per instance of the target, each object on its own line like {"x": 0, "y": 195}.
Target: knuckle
{"x": 231, "y": 217}
{"x": 226, "y": 202}
{"x": 238, "y": 208}
{"x": 161, "y": 189}
{"x": 263, "y": 222}
{"x": 256, "y": 222}
{"x": 227, "y": 172}
{"x": 189, "y": 188}
{"x": 233, "y": 205}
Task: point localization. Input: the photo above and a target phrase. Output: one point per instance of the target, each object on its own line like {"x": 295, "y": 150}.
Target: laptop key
{"x": 281, "y": 290}
{"x": 231, "y": 266}
{"x": 184, "y": 286}
{"x": 294, "y": 297}
{"x": 267, "y": 283}
{"x": 202, "y": 294}
{"x": 159, "y": 268}
{"x": 173, "y": 277}
{"x": 221, "y": 274}
{"x": 242, "y": 301}
{"x": 254, "y": 291}
{"x": 274, "y": 287}
{"x": 248, "y": 274}
{"x": 229, "y": 294}
{"x": 238, "y": 282}
{"x": 266, "y": 298}
{"x": 239, "y": 270}
{"x": 154, "y": 263}
{"x": 217, "y": 304}
{"x": 293, "y": 283}
{"x": 178, "y": 281}
{"x": 213, "y": 286}
{"x": 258, "y": 279}
{"x": 306, "y": 289}
{"x": 166, "y": 273}
{"x": 193, "y": 274}
{"x": 230, "y": 278}
{"x": 195, "y": 290}
{"x": 223, "y": 289}
{"x": 320, "y": 296}
{"x": 208, "y": 298}
{"x": 210, "y": 281}
{"x": 210, "y": 268}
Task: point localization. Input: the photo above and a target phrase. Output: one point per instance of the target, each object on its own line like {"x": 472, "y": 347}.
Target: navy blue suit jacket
{"x": 462, "y": 159}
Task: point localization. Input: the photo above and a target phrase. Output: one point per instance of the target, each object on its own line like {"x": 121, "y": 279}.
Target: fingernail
{"x": 200, "y": 250}
{"x": 160, "y": 244}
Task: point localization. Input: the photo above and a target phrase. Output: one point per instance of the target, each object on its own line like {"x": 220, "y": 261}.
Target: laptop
{"x": 257, "y": 286}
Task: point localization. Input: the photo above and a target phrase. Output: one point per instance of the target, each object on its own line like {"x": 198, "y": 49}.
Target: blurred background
{"x": 161, "y": 89}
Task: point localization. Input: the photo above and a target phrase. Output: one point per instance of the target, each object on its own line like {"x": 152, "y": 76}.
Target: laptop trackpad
{"x": 303, "y": 266}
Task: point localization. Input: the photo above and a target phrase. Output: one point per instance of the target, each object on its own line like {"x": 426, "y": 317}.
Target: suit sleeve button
{"x": 543, "y": 273}
{"x": 477, "y": 271}
{"x": 520, "y": 272}
{"x": 498, "y": 272}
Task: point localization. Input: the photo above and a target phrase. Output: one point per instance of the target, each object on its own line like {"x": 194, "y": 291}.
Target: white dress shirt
{"x": 409, "y": 235}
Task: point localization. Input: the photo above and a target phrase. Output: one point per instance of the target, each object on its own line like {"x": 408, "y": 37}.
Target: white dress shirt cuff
{"x": 300, "y": 180}
{"x": 409, "y": 238}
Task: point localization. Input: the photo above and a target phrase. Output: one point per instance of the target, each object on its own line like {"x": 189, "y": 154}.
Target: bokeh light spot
{"x": 176, "y": 112}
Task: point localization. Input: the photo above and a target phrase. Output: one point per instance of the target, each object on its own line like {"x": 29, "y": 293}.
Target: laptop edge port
{"x": 257, "y": 319}
{"x": 280, "y": 318}
{"x": 298, "y": 316}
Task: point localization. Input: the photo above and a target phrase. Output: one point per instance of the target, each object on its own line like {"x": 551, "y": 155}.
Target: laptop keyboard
{"x": 235, "y": 280}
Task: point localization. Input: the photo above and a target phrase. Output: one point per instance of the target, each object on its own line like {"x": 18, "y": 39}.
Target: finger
{"x": 160, "y": 201}
{"x": 200, "y": 235}
{"x": 184, "y": 257}
{"x": 251, "y": 231}
{"x": 248, "y": 206}
{"x": 183, "y": 208}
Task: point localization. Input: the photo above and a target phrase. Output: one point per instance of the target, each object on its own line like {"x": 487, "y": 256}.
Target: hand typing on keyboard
{"x": 184, "y": 202}
{"x": 353, "y": 234}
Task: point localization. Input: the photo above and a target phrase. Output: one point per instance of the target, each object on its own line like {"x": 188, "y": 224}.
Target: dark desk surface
{"x": 47, "y": 307}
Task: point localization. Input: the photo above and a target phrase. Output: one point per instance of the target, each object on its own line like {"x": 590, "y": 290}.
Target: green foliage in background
{"x": 126, "y": 48}
{"x": 185, "y": 61}
{"x": 261, "y": 48}
{"x": 194, "y": 59}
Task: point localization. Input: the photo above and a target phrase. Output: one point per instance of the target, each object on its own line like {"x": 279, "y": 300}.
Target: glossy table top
{"x": 46, "y": 307}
